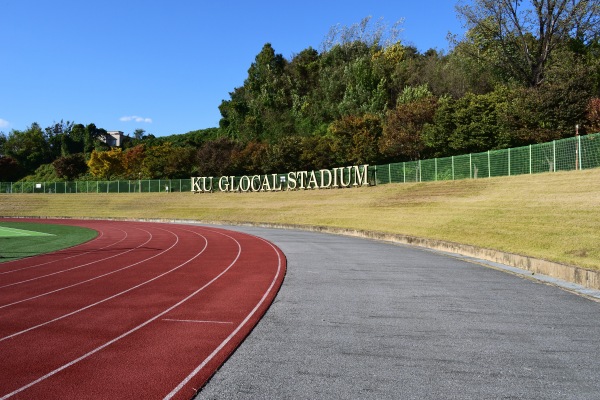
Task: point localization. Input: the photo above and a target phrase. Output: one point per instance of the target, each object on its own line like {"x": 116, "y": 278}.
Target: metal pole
{"x": 579, "y": 147}
{"x": 470, "y": 166}
{"x": 577, "y": 164}
{"x": 530, "y": 160}
{"x": 554, "y": 156}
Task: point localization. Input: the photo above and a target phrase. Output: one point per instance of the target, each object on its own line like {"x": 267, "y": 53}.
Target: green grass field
{"x": 553, "y": 216}
{"x": 23, "y": 239}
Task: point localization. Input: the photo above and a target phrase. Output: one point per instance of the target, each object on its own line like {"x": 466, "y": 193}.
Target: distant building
{"x": 113, "y": 138}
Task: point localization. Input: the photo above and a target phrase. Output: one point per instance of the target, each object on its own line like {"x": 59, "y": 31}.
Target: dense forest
{"x": 525, "y": 72}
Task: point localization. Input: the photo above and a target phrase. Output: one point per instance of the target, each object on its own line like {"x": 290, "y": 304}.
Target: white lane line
{"x": 198, "y": 321}
{"x": 158, "y": 316}
{"x": 96, "y": 277}
{"x": 80, "y": 266}
{"x": 230, "y": 337}
{"x": 108, "y": 298}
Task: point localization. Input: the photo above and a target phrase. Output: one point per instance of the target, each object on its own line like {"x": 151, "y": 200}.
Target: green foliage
{"x": 214, "y": 158}
{"x": 70, "y": 167}
{"x": 44, "y": 173}
{"x": 356, "y": 138}
{"x": 167, "y": 161}
{"x": 106, "y": 164}
{"x": 10, "y": 170}
{"x": 30, "y": 148}
{"x": 402, "y": 134}
{"x": 520, "y": 37}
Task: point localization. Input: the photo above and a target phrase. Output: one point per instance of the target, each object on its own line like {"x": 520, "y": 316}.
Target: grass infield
{"x": 23, "y": 239}
{"x": 552, "y": 216}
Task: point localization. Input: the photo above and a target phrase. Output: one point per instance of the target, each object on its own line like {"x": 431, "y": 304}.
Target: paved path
{"x": 360, "y": 319}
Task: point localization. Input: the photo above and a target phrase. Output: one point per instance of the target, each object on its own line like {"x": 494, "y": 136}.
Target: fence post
{"x": 452, "y": 167}
{"x": 530, "y": 162}
{"x": 579, "y": 152}
{"x": 390, "y": 172}
{"x": 509, "y": 161}
{"x": 435, "y": 160}
{"x": 554, "y": 156}
{"x": 489, "y": 166}
{"x": 420, "y": 172}
{"x": 404, "y": 170}
{"x": 470, "y": 166}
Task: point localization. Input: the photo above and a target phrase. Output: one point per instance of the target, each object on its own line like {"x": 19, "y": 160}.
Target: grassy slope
{"x": 551, "y": 216}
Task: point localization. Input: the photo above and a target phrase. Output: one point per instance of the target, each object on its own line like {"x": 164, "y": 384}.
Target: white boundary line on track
{"x": 231, "y": 336}
{"x": 82, "y": 265}
{"x": 107, "y": 298}
{"x": 158, "y": 316}
{"x": 94, "y": 278}
{"x": 197, "y": 321}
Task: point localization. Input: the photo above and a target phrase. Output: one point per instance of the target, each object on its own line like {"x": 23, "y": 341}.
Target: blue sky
{"x": 165, "y": 66}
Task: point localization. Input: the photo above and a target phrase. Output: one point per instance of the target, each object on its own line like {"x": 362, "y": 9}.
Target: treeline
{"x": 364, "y": 97}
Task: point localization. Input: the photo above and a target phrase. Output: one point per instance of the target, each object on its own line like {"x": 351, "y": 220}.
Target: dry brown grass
{"x": 550, "y": 216}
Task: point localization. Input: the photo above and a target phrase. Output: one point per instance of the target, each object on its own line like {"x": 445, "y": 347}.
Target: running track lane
{"x": 144, "y": 310}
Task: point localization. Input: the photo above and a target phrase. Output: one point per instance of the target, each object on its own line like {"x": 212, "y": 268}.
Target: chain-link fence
{"x": 129, "y": 186}
{"x": 580, "y": 152}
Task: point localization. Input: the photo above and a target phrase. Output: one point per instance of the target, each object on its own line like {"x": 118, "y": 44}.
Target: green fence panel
{"x": 480, "y": 163}
{"x": 6, "y": 187}
{"x": 428, "y": 170}
{"x": 588, "y": 150}
{"x": 499, "y": 163}
{"x": 397, "y": 173}
{"x": 543, "y": 158}
{"x": 519, "y": 161}
{"x": 462, "y": 167}
{"x": 565, "y": 154}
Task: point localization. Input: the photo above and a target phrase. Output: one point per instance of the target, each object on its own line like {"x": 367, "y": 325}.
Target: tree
{"x": 356, "y": 138}
{"x": 77, "y": 139}
{"x": 29, "y": 147}
{"x": 524, "y": 34}
{"x": 10, "y": 170}
{"x": 285, "y": 154}
{"x": 133, "y": 161}
{"x": 166, "y": 161}
{"x": 402, "y": 133}
{"x": 593, "y": 116}
{"x": 214, "y": 158}
{"x": 320, "y": 152}
{"x": 70, "y": 167}
{"x": 138, "y": 134}
{"x": 106, "y": 164}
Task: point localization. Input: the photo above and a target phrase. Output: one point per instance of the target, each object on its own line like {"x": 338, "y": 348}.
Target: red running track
{"x": 145, "y": 310}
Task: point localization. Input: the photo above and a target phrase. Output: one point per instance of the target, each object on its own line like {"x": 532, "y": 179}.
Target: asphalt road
{"x": 361, "y": 319}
